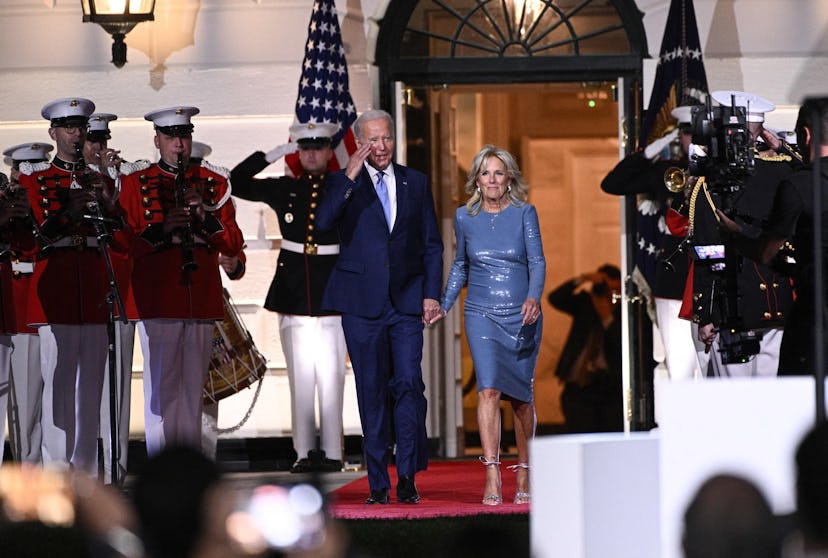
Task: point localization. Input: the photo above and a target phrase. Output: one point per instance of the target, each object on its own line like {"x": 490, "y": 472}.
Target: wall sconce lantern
{"x": 118, "y": 17}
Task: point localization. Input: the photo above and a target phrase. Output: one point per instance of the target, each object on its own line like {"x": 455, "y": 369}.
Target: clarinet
{"x": 8, "y": 190}
{"x": 187, "y": 241}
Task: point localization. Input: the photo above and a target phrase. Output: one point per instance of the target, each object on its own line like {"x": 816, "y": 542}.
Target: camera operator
{"x": 644, "y": 172}
{"x": 740, "y": 304}
{"x": 793, "y": 217}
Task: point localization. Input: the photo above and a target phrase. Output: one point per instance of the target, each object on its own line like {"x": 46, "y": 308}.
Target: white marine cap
{"x": 313, "y": 134}
{"x": 683, "y": 114}
{"x": 34, "y": 152}
{"x": 71, "y": 111}
{"x": 755, "y": 106}
{"x": 200, "y": 150}
{"x": 99, "y": 126}
{"x": 174, "y": 121}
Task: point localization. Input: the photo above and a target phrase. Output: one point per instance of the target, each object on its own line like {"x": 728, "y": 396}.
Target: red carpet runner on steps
{"x": 447, "y": 489}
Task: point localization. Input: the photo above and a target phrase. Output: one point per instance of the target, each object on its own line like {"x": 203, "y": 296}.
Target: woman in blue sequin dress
{"x": 500, "y": 258}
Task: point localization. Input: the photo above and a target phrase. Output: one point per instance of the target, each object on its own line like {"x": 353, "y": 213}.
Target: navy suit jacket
{"x": 405, "y": 263}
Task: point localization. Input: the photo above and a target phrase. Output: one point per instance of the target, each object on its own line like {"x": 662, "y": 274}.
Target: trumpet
{"x": 675, "y": 179}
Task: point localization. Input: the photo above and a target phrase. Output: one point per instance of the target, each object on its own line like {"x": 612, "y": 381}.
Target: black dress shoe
{"x": 407, "y": 491}
{"x": 302, "y": 466}
{"x": 378, "y": 497}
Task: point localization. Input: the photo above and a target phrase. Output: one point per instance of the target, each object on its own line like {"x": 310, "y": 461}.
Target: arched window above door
{"x": 438, "y": 28}
{"x": 486, "y": 41}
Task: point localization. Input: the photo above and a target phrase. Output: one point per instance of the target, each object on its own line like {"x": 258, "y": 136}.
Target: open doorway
{"x": 565, "y": 138}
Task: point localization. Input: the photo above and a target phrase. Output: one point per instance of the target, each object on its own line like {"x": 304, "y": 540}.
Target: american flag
{"x": 323, "y": 88}
{"x": 680, "y": 80}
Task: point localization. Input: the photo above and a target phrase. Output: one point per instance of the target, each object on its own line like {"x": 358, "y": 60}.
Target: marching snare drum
{"x": 235, "y": 363}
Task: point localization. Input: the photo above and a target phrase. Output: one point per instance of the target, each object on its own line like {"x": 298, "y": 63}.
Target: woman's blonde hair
{"x": 518, "y": 189}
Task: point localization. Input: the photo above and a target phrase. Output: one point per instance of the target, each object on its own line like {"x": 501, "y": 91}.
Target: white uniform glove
{"x": 654, "y": 149}
{"x": 278, "y": 152}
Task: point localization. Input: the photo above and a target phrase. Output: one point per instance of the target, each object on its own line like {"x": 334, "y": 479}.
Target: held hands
{"x": 530, "y": 311}
{"x": 432, "y": 313}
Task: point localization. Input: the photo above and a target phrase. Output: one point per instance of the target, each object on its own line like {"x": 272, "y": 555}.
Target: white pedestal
{"x": 749, "y": 427}
{"x": 595, "y": 495}
{"x": 620, "y": 495}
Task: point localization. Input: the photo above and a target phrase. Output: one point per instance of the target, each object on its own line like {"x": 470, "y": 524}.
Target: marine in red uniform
{"x": 69, "y": 287}
{"x": 26, "y": 388}
{"x": 14, "y": 206}
{"x": 180, "y": 218}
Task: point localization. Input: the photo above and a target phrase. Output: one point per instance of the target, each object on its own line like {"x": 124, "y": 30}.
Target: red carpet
{"x": 447, "y": 489}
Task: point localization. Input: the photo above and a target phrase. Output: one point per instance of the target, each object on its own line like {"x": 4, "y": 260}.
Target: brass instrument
{"x": 788, "y": 149}
{"x": 675, "y": 179}
{"x": 187, "y": 240}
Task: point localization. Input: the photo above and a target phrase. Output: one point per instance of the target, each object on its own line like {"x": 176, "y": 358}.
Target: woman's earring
{"x": 509, "y": 189}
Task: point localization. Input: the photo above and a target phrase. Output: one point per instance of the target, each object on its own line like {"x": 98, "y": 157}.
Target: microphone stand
{"x": 113, "y": 298}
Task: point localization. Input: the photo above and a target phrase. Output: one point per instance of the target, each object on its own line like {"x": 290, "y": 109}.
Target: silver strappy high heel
{"x": 521, "y": 497}
{"x": 494, "y": 499}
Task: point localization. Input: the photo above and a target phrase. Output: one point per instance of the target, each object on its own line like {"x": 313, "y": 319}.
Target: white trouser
{"x": 176, "y": 361}
{"x": 5, "y": 376}
{"x": 677, "y": 340}
{"x": 209, "y": 430}
{"x": 124, "y": 340}
{"x": 72, "y": 360}
{"x": 315, "y": 354}
{"x": 764, "y": 364}
{"x": 25, "y": 432}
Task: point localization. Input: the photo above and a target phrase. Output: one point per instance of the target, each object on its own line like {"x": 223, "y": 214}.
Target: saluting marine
{"x": 312, "y": 339}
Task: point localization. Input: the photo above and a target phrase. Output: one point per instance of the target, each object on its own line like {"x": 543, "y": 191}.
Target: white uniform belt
{"x": 310, "y": 248}
{"x": 76, "y": 242}
{"x": 23, "y": 267}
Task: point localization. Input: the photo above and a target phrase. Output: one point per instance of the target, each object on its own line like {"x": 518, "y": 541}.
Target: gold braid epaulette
{"x": 775, "y": 157}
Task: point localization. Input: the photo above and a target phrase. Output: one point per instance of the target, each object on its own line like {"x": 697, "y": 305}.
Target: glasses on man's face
{"x": 73, "y": 129}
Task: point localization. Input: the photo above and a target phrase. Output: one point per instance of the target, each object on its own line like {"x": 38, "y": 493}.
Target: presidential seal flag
{"x": 680, "y": 79}
{"x": 323, "y": 87}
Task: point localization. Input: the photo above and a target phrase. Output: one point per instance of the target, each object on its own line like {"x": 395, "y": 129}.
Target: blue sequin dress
{"x": 500, "y": 257}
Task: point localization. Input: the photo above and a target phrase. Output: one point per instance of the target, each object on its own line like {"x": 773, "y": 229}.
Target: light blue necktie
{"x": 382, "y": 193}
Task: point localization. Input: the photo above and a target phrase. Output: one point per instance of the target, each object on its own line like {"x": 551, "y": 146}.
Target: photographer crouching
{"x": 739, "y": 303}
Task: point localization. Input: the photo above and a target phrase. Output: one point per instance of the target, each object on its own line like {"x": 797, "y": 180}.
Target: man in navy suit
{"x": 386, "y": 284}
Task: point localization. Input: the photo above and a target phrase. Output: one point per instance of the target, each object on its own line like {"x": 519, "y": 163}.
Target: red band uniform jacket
{"x": 160, "y": 287}
{"x": 70, "y": 285}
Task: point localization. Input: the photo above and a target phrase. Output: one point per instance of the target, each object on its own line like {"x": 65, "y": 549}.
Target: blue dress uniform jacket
{"x": 300, "y": 278}
{"x": 765, "y": 295}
